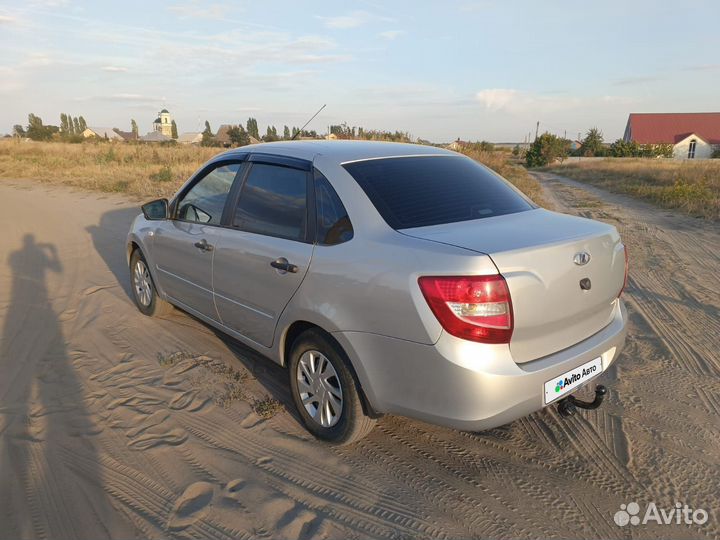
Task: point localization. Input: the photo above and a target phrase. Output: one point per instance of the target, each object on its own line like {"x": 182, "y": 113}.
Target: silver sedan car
{"x": 387, "y": 278}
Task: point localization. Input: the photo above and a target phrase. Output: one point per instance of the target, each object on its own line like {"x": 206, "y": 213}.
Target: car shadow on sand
{"x": 109, "y": 240}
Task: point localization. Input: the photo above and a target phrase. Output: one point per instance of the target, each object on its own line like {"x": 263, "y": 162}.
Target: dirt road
{"x": 116, "y": 425}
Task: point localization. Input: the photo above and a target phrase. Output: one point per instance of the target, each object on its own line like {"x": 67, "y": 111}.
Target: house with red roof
{"x": 693, "y": 135}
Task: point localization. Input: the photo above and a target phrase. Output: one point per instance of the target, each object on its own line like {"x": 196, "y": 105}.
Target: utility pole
{"x": 537, "y": 128}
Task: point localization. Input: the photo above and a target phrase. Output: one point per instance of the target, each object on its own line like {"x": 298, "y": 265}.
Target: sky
{"x": 469, "y": 69}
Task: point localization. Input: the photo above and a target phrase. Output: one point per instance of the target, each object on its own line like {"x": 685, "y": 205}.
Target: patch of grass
{"x": 163, "y": 175}
{"x": 170, "y": 359}
{"x": 144, "y": 171}
{"x": 217, "y": 379}
{"x": 690, "y": 186}
{"x": 267, "y": 407}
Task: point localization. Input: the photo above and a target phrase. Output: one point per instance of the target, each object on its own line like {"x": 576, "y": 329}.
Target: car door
{"x": 184, "y": 245}
{"x": 263, "y": 256}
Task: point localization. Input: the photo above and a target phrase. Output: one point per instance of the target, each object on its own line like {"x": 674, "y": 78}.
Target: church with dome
{"x": 163, "y": 123}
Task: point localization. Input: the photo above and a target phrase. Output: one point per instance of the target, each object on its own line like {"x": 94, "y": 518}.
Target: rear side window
{"x": 333, "y": 223}
{"x": 420, "y": 191}
{"x": 273, "y": 202}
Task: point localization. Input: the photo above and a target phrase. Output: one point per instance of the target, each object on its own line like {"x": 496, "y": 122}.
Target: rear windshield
{"x": 419, "y": 191}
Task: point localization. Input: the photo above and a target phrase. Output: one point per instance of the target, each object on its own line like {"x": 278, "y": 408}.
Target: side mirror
{"x": 155, "y": 210}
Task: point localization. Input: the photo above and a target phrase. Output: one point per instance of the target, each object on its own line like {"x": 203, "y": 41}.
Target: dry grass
{"x": 144, "y": 171}
{"x": 149, "y": 171}
{"x": 690, "y": 186}
{"x": 503, "y": 164}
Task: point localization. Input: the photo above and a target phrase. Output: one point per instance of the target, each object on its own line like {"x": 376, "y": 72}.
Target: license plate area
{"x": 571, "y": 380}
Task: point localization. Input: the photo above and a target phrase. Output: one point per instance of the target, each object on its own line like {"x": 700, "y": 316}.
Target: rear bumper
{"x": 462, "y": 384}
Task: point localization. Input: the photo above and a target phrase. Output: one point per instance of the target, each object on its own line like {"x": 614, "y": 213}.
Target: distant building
{"x": 223, "y": 135}
{"x": 102, "y": 133}
{"x": 163, "y": 123}
{"x": 155, "y": 137}
{"x": 191, "y": 137}
{"x": 126, "y": 135}
{"x": 693, "y": 135}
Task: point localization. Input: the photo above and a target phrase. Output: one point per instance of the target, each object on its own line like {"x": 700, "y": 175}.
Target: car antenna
{"x": 306, "y": 123}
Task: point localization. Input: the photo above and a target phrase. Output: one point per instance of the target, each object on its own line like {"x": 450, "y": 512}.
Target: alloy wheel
{"x": 143, "y": 284}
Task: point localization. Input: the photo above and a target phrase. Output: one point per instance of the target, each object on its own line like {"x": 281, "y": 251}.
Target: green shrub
{"x": 165, "y": 174}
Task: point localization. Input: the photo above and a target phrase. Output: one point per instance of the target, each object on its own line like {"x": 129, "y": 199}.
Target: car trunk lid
{"x": 541, "y": 254}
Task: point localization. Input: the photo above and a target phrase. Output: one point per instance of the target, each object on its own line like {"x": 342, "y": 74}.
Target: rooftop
{"x": 670, "y": 128}
{"x": 343, "y": 151}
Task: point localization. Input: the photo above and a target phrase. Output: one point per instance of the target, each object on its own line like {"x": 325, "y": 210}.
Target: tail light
{"x": 477, "y": 308}
{"x": 625, "y": 280}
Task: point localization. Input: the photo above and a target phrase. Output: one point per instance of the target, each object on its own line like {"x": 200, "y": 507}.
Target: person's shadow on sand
{"x": 45, "y": 426}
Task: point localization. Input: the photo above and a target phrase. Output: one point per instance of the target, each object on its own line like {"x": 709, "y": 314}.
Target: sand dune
{"x": 116, "y": 425}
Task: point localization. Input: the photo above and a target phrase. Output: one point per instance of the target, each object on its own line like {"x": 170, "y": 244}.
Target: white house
{"x": 191, "y": 137}
{"x": 693, "y": 147}
{"x": 693, "y": 135}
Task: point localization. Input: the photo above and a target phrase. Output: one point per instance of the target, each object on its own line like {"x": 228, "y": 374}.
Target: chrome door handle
{"x": 202, "y": 245}
{"x": 283, "y": 264}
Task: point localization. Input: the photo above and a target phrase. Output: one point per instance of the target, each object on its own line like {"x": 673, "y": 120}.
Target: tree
{"x": 173, "y": 128}
{"x": 64, "y": 123}
{"x": 207, "y": 135}
{"x": 286, "y": 133}
{"x": 83, "y": 124}
{"x": 76, "y": 126}
{"x": 238, "y": 136}
{"x": 18, "y": 131}
{"x": 134, "y": 128}
{"x": 36, "y": 130}
{"x": 252, "y": 128}
{"x": 270, "y": 134}
{"x": 546, "y": 149}
{"x": 516, "y": 150}
{"x": 592, "y": 144}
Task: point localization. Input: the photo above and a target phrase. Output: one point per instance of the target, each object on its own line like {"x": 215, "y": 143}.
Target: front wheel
{"x": 325, "y": 390}
{"x": 143, "y": 288}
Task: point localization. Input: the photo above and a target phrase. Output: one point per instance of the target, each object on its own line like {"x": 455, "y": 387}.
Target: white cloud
{"x": 199, "y": 10}
{"x": 391, "y": 34}
{"x": 7, "y": 19}
{"x": 351, "y": 20}
{"x": 114, "y": 69}
{"x": 498, "y": 98}
{"x": 127, "y": 98}
{"x": 519, "y": 102}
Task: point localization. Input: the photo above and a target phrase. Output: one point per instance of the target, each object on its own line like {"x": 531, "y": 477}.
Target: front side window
{"x": 421, "y": 191}
{"x": 333, "y": 222}
{"x": 273, "y": 202}
{"x": 691, "y": 149}
{"x": 205, "y": 201}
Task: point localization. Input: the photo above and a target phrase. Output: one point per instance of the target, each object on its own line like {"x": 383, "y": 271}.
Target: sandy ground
{"x": 116, "y": 425}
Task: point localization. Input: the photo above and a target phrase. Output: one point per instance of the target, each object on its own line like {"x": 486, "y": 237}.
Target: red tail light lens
{"x": 477, "y": 308}
{"x": 625, "y": 280}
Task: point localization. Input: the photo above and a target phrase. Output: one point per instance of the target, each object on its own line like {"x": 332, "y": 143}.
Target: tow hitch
{"x": 568, "y": 406}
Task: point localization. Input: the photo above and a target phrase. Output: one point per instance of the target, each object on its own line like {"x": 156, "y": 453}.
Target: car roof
{"x": 341, "y": 151}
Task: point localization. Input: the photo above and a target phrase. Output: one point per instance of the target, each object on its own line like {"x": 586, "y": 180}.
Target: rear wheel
{"x": 325, "y": 390}
{"x": 143, "y": 288}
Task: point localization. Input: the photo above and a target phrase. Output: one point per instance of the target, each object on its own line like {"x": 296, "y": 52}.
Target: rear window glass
{"x": 420, "y": 191}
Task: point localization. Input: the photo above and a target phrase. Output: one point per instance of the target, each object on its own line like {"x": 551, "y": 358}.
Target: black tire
{"x": 352, "y": 423}
{"x": 156, "y": 306}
